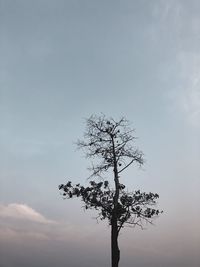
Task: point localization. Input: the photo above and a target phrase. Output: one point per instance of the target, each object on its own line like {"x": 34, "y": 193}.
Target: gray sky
{"x": 62, "y": 61}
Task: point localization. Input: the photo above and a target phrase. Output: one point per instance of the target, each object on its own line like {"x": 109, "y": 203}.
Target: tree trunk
{"x": 115, "y": 252}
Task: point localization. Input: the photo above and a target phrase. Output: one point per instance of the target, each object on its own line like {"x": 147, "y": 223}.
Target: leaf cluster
{"x": 132, "y": 208}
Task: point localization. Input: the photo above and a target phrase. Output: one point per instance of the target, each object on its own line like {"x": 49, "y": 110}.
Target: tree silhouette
{"x": 110, "y": 142}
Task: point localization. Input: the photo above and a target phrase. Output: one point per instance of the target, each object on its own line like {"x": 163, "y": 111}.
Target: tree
{"x": 110, "y": 142}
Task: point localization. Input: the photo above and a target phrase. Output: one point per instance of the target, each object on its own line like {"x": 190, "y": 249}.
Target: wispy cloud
{"x": 176, "y": 27}
{"x": 27, "y": 237}
{"x": 21, "y": 222}
{"x": 22, "y": 212}
{"x": 191, "y": 96}
{"x": 187, "y": 97}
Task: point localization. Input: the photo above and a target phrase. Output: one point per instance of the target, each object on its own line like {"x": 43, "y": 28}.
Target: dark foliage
{"x": 132, "y": 207}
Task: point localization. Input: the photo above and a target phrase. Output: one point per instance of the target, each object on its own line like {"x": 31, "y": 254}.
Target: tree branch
{"x": 126, "y": 166}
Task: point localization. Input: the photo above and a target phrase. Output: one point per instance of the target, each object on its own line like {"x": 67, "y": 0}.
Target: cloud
{"x": 188, "y": 96}
{"x": 20, "y": 222}
{"x": 191, "y": 97}
{"x": 27, "y": 237}
{"x": 175, "y": 28}
{"x": 22, "y": 212}
{"x": 184, "y": 94}
{"x": 186, "y": 63}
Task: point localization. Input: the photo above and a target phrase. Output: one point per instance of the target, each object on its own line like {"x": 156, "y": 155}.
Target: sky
{"x": 62, "y": 61}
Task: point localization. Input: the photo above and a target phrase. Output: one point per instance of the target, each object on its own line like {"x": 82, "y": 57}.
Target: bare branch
{"x": 126, "y": 166}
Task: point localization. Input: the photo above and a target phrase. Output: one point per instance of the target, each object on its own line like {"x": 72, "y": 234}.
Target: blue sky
{"x": 62, "y": 61}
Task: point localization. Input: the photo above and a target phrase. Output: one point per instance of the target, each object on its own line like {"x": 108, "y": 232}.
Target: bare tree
{"x": 110, "y": 143}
